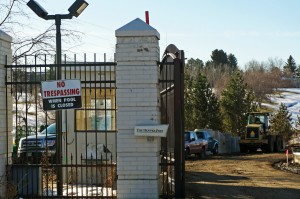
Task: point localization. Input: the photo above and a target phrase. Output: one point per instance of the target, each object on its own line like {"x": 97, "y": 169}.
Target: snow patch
{"x": 290, "y": 97}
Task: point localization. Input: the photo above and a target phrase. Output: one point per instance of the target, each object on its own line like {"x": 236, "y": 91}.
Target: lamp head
{"x": 77, "y": 7}
{"x": 38, "y": 9}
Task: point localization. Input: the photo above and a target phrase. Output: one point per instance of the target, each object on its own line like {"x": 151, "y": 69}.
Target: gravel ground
{"x": 242, "y": 176}
{"x": 290, "y": 167}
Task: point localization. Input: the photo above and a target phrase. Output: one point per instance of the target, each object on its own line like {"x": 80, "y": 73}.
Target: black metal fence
{"x": 85, "y": 165}
{"x": 172, "y": 147}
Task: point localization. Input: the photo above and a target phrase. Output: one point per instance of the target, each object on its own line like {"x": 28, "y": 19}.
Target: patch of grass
{"x": 269, "y": 102}
{"x": 291, "y": 92}
{"x": 265, "y": 108}
{"x": 277, "y": 92}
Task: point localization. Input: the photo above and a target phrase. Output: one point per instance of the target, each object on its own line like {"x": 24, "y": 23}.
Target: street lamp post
{"x": 75, "y": 10}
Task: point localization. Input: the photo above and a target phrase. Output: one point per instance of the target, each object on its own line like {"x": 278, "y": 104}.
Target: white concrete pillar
{"x": 137, "y": 54}
{"x": 5, "y": 50}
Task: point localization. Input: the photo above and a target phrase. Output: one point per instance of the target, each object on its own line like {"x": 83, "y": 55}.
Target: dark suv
{"x": 213, "y": 144}
{"x": 32, "y": 147}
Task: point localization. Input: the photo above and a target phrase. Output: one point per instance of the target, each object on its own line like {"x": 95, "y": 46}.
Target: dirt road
{"x": 240, "y": 176}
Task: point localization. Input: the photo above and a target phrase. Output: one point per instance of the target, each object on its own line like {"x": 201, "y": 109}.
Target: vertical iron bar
{"x": 115, "y": 117}
{"x": 182, "y": 57}
{"x": 65, "y": 157}
{"x": 72, "y": 175}
{"x": 40, "y": 80}
{"x": 105, "y": 123}
{"x": 86, "y": 122}
{"x": 166, "y": 149}
{"x": 35, "y": 98}
{"x": 101, "y": 172}
{"x": 91, "y": 172}
{"x": 81, "y": 172}
{"x": 96, "y": 132}
{"x": 76, "y": 136}
{"x": 31, "y": 79}
{"x": 112, "y": 173}
{"x": 15, "y": 94}
{"x": 46, "y": 125}
{"x": 178, "y": 128}
{"x": 25, "y": 119}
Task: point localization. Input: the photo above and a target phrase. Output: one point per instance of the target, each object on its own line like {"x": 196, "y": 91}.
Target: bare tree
{"x": 9, "y": 11}
{"x": 217, "y": 76}
{"x": 15, "y": 20}
{"x": 220, "y": 84}
{"x": 264, "y": 78}
{"x": 13, "y": 17}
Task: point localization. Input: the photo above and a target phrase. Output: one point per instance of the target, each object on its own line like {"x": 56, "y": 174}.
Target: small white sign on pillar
{"x": 151, "y": 130}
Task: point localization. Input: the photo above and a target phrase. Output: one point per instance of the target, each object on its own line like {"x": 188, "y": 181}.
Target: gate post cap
{"x": 137, "y": 27}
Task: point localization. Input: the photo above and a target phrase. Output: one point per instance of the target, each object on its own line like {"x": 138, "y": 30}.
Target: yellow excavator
{"x": 258, "y": 135}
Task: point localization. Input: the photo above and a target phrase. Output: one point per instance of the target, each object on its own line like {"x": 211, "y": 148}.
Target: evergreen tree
{"x": 193, "y": 67}
{"x": 188, "y": 103}
{"x": 220, "y": 62}
{"x": 200, "y": 87}
{"x": 297, "y": 129}
{"x": 202, "y": 108}
{"x": 281, "y": 122}
{"x": 214, "y": 114}
{"x": 195, "y": 63}
{"x": 233, "y": 63}
{"x": 206, "y": 106}
{"x": 290, "y": 65}
{"x": 297, "y": 72}
{"x": 208, "y": 64}
{"x": 219, "y": 57}
{"x": 236, "y": 101}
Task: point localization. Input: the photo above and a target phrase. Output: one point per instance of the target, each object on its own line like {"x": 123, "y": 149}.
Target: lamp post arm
{"x": 61, "y": 16}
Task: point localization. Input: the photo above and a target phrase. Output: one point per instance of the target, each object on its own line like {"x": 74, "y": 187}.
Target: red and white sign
{"x": 61, "y": 94}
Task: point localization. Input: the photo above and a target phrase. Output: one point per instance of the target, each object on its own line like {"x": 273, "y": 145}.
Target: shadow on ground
{"x": 210, "y": 185}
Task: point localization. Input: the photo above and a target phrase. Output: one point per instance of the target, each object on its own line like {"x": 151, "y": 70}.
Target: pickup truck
{"x": 213, "y": 144}
{"x": 194, "y": 145}
{"x": 32, "y": 147}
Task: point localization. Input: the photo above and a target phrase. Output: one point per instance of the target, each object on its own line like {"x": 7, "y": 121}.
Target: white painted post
{"x": 5, "y": 50}
{"x": 137, "y": 73}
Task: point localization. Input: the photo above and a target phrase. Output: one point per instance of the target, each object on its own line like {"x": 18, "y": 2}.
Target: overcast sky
{"x": 250, "y": 29}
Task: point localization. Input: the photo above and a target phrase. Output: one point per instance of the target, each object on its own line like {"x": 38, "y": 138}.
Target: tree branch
{"x": 8, "y": 12}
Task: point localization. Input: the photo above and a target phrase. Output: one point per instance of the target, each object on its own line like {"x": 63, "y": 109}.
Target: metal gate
{"x": 172, "y": 147}
{"x": 77, "y": 161}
